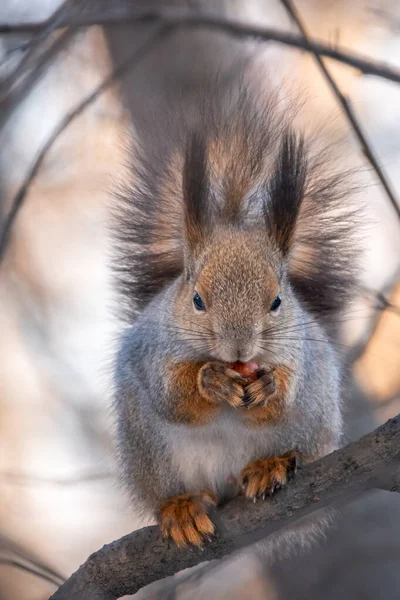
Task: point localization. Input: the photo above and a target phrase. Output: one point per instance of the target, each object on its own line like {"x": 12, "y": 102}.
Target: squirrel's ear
{"x": 285, "y": 191}
{"x": 196, "y": 193}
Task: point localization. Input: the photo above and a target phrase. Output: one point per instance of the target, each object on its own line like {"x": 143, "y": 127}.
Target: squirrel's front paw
{"x": 259, "y": 392}
{"x": 218, "y": 382}
{"x": 262, "y": 477}
{"x": 185, "y": 518}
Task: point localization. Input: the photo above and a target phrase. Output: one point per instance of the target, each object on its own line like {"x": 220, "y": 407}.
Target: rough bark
{"x": 128, "y": 564}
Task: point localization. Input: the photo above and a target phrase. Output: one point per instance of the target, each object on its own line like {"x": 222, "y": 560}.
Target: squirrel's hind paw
{"x": 185, "y": 519}
{"x": 263, "y": 477}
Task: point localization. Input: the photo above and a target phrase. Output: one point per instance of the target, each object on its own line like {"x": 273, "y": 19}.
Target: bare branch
{"x": 26, "y": 479}
{"x": 381, "y": 304}
{"x": 28, "y": 72}
{"x": 74, "y": 15}
{"x": 391, "y": 20}
{"x": 32, "y": 45}
{"x": 124, "y": 11}
{"x": 12, "y": 562}
{"x": 13, "y": 554}
{"x": 123, "y": 567}
{"x": 346, "y": 107}
{"x": 123, "y": 68}
{"x": 384, "y": 303}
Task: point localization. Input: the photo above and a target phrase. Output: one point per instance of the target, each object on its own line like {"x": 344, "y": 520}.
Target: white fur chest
{"x": 208, "y": 457}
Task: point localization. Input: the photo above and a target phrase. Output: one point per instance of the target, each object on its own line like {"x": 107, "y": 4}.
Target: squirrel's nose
{"x": 244, "y": 354}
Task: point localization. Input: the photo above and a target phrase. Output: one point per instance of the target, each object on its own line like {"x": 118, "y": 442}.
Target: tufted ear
{"x": 285, "y": 191}
{"x": 196, "y": 194}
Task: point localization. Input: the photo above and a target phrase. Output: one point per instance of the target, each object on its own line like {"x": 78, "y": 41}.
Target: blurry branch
{"x": 124, "y": 11}
{"x": 40, "y": 50}
{"x": 13, "y": 554}
{"x": 51, "y": 24}
{"x": 25, "y": 479}
{"x": 12, "y": 562}
{"x": 34, "y": 42}
{"x": 75, "y": 13}
{"x": 384, "y": 303}
{"x": 381, "y": 305}
{"x": 391, "y": 21}
{"x": 7, "y": 54}
{"x": 115, "y": 74}
{"x": 123, "y": 567}
{"x": 35, "y": 62}
{"x": 346, "y": 106}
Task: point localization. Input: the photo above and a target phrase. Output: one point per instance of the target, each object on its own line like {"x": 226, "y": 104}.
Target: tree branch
{"x": 136, "y": 560}
{"x": 27, "y": 479}
{"x": 32, "y": 66}
{"x": 13, "y": 554}
{"x": 65, "y": 122}
{"x": 124, "y": 11}
{"x": 12, "y": 562}
{"x": 346, "y": 107}
{"x": 74, "y": 14}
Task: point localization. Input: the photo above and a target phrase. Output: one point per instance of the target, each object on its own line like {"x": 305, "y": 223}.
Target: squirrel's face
{"x": 234, "y": 302}
{"x": 238, "y": 230}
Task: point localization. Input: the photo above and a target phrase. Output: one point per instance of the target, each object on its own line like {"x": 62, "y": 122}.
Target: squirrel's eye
{"x": 276, "y": 303}
{"x": 198, "y": 302}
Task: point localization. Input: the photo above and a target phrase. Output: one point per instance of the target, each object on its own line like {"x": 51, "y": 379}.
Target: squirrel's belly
{"x": 213, "y": 456}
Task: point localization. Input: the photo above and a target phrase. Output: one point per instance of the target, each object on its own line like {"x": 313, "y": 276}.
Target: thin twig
{"x": 9, "y": 547}
{"x": 391, "y": 21}
{"x": 346, "y": 106}
{"x": 12, "y": 562}
{"x": 113, "y": 14}
{"x": 26, "y": 479}
{"x": 16, "y": 93}
{"x": 123, "y": 68}
{"x": 59, "y": 16}
{"x": 14, "y": 50}
{"x": 385, "y": 304}
{"x": 52, "y": 24}
{"x": 381, "y": 305}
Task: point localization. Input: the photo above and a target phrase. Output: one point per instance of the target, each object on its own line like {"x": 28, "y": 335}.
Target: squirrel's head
{"x": 235, "y": 296}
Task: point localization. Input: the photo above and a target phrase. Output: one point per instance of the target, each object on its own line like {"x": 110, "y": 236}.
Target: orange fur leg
{"x": 185, "y": 518}
{"x": 263, "y": 477}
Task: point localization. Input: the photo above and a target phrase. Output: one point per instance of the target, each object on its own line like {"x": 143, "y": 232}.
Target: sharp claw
{"x": 263, "y": 496}
{"x": 254, "y": 500}
{"x": 293, "y": 465}
{"x": 246, "y": 398}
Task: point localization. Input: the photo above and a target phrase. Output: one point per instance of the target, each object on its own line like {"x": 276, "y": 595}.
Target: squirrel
{"x": 236, "y": 256}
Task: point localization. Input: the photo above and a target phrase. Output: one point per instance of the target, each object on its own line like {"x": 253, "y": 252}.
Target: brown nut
{"x": 248, "y": 370}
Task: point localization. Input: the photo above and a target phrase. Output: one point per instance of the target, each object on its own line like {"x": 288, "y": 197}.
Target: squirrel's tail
{"x": 241, "y": 133}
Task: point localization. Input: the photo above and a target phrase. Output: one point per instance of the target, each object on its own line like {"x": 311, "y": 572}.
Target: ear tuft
{"x": 286, "y": 190}
{"x": 196, "y": 193}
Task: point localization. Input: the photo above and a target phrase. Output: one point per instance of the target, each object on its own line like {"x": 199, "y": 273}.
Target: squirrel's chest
{"x": 212, "y": 457}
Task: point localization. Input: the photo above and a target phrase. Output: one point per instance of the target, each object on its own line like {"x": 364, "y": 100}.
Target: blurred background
{"x": 59, "y": 497}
